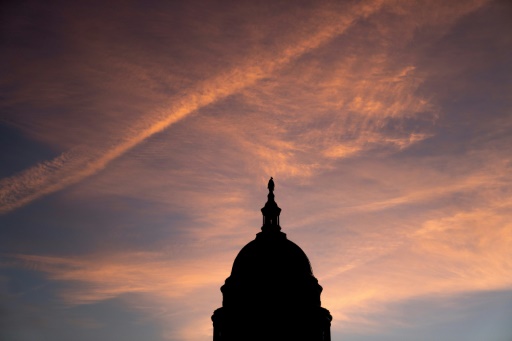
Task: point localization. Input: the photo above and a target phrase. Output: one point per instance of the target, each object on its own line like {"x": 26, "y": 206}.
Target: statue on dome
{"x": 271, "y": 185}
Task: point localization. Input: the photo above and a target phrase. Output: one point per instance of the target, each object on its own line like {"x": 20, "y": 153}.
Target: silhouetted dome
{"x": 271, "y": 271}
{"x": 271, "y": 254}
{"x": 271, "y": 293}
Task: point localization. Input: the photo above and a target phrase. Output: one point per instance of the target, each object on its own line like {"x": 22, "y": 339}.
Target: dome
{"x": 272, "y": 255}
{"x": 271, "y": 270}
{"x": 271, "y": 293}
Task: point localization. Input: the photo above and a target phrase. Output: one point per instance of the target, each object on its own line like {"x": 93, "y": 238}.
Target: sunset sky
{"x": 137, "y": 139}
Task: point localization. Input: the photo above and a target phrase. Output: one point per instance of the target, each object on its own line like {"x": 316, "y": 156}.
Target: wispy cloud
{"x": 103, "y": 277}
{"x": 395, "y": 190}
{"x": 73, "y": 166}
{"x": 356, "y": 102}
{"x": 453, "y": 255}
{"x": 462, "y": 251}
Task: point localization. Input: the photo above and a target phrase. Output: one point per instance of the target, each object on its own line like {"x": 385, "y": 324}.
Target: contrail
{"x": 81, "y": 162}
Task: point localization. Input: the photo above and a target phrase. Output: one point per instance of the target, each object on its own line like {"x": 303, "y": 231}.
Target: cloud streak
{"x": 395, "y": 185}
{"x": 100, "y": 278}
{"x": 71, "y": 167}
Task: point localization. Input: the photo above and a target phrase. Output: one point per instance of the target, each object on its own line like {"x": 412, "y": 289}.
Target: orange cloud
{"x": 73, "y": 166}
{"x": 308, "y": 124}
{"x": 103, "y": 277}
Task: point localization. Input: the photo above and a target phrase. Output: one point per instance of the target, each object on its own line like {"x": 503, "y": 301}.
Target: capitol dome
{"x": 271, "y": 293}
{"x": 270, "y": 271}
{"x": 271, "y": 253}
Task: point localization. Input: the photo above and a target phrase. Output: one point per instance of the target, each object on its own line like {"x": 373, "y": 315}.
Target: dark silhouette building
{"x": 271, "y": 293}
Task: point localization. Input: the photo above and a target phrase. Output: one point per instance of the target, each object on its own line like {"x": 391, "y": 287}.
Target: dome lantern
{"x": 271, "y": 211}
